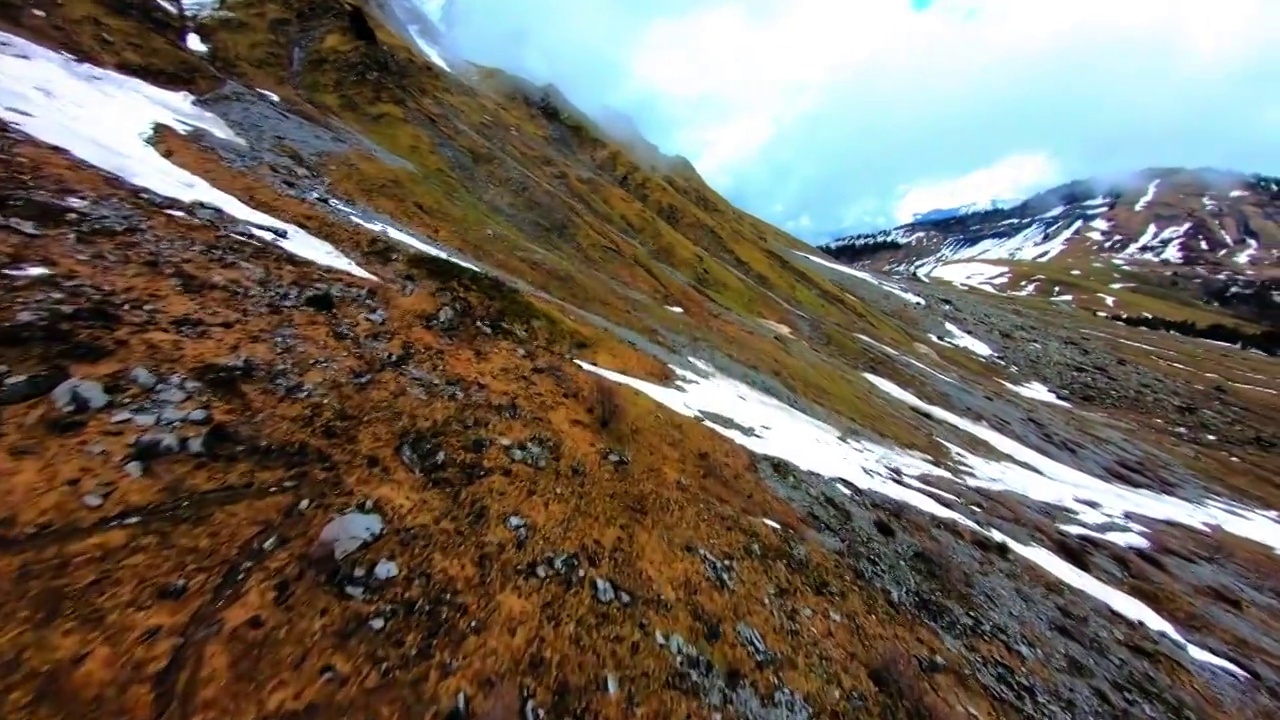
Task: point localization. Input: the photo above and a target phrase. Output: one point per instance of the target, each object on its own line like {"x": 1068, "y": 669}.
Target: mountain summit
{"x": 966, "y": 209}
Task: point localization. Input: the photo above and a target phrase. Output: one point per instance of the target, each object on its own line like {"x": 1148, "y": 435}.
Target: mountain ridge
{"x": 1184, "y": 217}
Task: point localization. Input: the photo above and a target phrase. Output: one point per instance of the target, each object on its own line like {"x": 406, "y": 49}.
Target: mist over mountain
{"x": 819, "y": 116}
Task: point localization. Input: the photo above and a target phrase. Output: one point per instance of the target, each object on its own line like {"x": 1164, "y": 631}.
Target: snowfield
{"x": 106, "y": 119}
{"x": 777, "y": 430}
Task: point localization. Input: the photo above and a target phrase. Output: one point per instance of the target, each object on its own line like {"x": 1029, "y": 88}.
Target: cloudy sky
{"x": 825, "y": 115}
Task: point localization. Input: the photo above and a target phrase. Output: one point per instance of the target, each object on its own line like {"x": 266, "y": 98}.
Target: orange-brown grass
{"x": 259, "y": 629}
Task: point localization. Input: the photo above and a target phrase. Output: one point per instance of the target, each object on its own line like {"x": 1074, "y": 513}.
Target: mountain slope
{"x": 358, "y": 383}
{"x": 1179, "y": 247}
{"x": 1178, "y": 217}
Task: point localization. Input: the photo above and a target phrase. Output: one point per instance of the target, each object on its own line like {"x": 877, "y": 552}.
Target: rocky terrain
{"x": 340, "y": 378}
{"x": 1228, "y": 221}
{"x": 1194, "y": 252}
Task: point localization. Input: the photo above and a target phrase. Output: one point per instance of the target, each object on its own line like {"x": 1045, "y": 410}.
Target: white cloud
{"x": 825, "y": 107}
{"x": 1011, "y": 177}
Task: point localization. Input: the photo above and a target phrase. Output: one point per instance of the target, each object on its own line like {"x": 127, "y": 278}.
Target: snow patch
{"x": 349, "y": 532}
{"x": 1123, "y": 538}
{"x": 972, "y": 274}
{"x": 434, "y": 56}
{"x": 195, "y": 43}
{"x": 1059, "y": 242}
{"x": 269, "y": 95}
{"x": 1146, "y": 199}
{"x": 868, "y": 277}
{"x": 27, "y": 271}
{"x": 1255, "y": 387}
{"x": 400, "y": 235}
{"x": 908, "y": 358}
{"x": 675, "y": 309}
{"x": 1126, "y": 605}
{"x": 774, "y": 429}
{"x": 1147, "y": 236}
{"x": 961, "y": 339}
{"x": 1037, "y": 391}
{"x": 1173, "y": 236}
{"x": 1250, "y": 250}
{"x": 1091, "y": 500}
{"x": 105, "y": 119}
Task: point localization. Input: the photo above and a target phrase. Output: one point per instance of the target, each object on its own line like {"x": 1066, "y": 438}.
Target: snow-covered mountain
{"x": 966, "y": 209}
{"x": 1169, "y": 216}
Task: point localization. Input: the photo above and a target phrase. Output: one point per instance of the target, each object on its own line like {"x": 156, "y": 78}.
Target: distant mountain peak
{"x": 966, "y": 209}
{"x": 1165, "y": 216}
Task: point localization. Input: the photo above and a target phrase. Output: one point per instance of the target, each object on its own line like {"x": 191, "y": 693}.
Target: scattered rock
{"x": 21, "y": 388}
{"x": 134, "y": 469}
{"x": 199, "y": 416}
{"x": 26, "y": 227}
{"x": 171, "y": 395}
{"x": 348, "y": 533}
{"x": 385, "y": 570}
{"x": 156, "y": 444}
{"x": 520, "y": 527}
{"x": 122, "y": 416}
{"x": 931, "y": 665}
{"x": 172, "y": 416}
{"x": 173, "y": 591}
{"x": 604, "y": 591}
{"x": 720, "y": 571}
{"x": 78, "y": 395}
{"x": 755, "y": 644}
{"x": 377, "y": 623}
{"x": 145, "y": 420}
{"x": 420, "y": 454}
{"x": 143, "y": 378}
{"x": 92, "y": 500}
{"x": 677, "y": 645}
{"x": 446, "y": 318}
